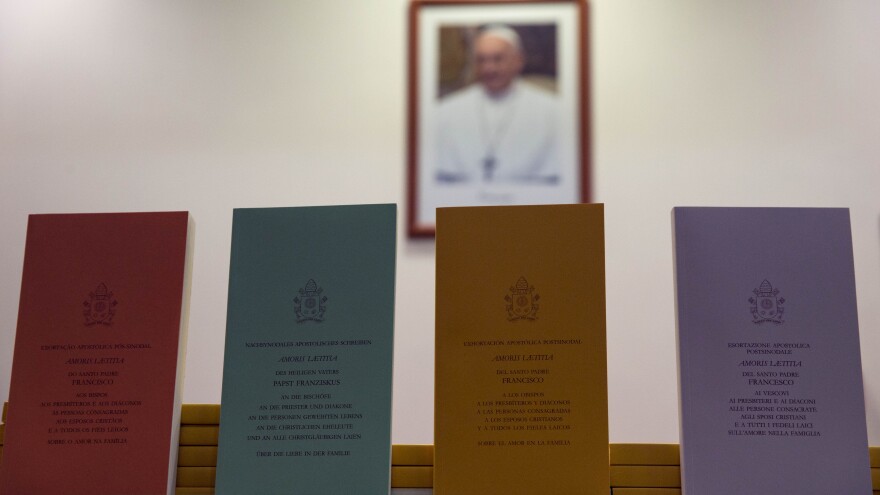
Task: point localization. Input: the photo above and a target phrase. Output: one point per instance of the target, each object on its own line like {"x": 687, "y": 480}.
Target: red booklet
{"x": 94, "y": 402}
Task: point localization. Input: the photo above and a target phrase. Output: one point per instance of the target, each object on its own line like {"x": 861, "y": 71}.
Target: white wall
{"x": 109, "y": 105}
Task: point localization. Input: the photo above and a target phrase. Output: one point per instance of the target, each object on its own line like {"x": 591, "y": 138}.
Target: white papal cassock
{"x": 512, "y": 137}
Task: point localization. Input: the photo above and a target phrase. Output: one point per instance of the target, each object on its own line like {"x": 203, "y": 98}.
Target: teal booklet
{"x": 306, "y": 404}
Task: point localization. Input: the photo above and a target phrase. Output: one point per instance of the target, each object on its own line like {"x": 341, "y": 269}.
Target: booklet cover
{"x": 521, "y": 402}
{"x": 94, "y": 403}
{"x": 306, "y": 403}
{"x": 768, "y": 340}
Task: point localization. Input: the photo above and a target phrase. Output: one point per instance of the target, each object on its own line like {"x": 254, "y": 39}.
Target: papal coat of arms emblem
{"x": 100, "y": 307}
{"x": 766, "y": 307}
{"x": 522, "y": 301}
{"x": 310, "y": 304}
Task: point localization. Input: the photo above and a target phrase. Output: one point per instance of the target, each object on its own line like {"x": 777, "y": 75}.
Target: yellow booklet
{"x": 190, "y": 490}
{"x": 199, "y": 435}
{"x": 412, "y": 455}
{"x": 646, "y": 491}
{"x": 196, "y": 476}
{"x": 644, "y": 454}
{"x": 197, "y": 456}
{"x": 521, "y": 403}
{"x": 200, "y": 414}
{"x": 646, "y": 476}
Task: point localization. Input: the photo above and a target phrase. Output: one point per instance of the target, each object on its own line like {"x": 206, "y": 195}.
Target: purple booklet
{"x": 770, "y": 375}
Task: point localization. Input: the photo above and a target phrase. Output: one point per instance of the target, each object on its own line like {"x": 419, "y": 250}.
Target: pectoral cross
{"x": 488, "y": 167}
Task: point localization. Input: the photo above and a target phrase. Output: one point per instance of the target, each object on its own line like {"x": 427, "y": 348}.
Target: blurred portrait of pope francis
{"x": 500, "y": 129}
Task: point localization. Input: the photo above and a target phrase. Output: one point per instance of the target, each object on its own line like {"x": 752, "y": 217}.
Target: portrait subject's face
{"x": 498, "y": 63}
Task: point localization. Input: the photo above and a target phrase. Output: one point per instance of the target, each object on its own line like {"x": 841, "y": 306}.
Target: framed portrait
{"x": 498, "y": 105}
